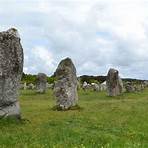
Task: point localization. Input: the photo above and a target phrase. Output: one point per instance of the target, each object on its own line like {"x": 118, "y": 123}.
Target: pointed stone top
{"x": 113, "y": 70}
{"x": 65, "y": 67}
{"x": 67, "y": 62}
{"x": 12, "y": 32}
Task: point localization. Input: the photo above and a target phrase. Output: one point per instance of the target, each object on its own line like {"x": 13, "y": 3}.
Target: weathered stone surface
{"x": 31, "y": 86}
{"x": 49, "y": 86}
{"x": 103, "y": 86}
{"x": 25, "y": 86}
{"x": 129, "y": 87}
{"x": 65, "y": 88}
{"x": 95, "y": 86}
{"x": 133, "y": 87}
{"x": 21, "y": 86}
{"x": 145, "y": 83}
{"x": 114, "y": 83}
{"x": 41, "y": 81}
{"x": 84, "y": 85}
{"x": 11, "y": 67}
{"x": 78, "y": 84}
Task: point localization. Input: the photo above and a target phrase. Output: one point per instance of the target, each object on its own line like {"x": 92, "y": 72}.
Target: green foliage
{"x": 133, "y": 81}
{"x": 92, "y": 79}
{"x": 28, "y": 78}
{"x": 51, "y": 79}
{"x": 104, "y": 122}
{"x": 101, "y": 79}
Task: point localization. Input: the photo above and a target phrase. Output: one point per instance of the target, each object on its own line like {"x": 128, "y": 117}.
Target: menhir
{"x": 11, "y": 68}
{"x": 65, "y": 88}
{"x": 114, "y": 83}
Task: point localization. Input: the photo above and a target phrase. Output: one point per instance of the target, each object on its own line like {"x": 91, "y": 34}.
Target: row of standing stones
{"x": 65, "y": 88}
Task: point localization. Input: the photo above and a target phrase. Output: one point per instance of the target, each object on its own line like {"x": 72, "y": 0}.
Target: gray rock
{"x": 95, "y": 86}
{"x": 142, "y": 86}
{"x": 129, "y": 87}
{"x": 25, "y": 86}
{"x": 31, "y": 86}
{"x": 78, "y": 84}
{"x": 11, "y": 68}
{"x": 84, "y": 86}
{"x": 133, "y": 87}
{"x": 65, "y": 88}
{"x": 41, "y": 81}
{"x": 145, "y": 83}
{"x": 103, "y": 86}
{"x": 21, "y": 86}
{"x": 114, "y": 83}
{"x": 49, "y": 86}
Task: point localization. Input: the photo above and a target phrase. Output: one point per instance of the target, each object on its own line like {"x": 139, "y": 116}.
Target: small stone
{"x": 41, "y": 81}
{"x": 31, "y": 86}
{"x": 95, "y": 86}
{"x": 114, "y": 83}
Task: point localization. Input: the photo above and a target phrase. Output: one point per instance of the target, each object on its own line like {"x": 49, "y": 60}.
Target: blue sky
{"x": 96, "y": 34}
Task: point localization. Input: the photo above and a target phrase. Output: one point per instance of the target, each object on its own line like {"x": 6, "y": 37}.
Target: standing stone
{"x": 95, "y": 86}
{"x": 84, "y": 85}
{"x": 142, "y": 86}
{"x": 78, "y": 84}
{"x": 25, "y": 86}
{"x": 41, "y": 81}
{"x": 129, "y": 87}
{"x": 49, "y": 86}
{"x": 65, "y": 88}
{"x": 11, "y": 68}
{"x": 31, "y": 86}
{"x": 145, "y": 83}
{"x": 21, "y": 86}
{"x": 103, "y": 86}
{"x": 114, "y": 83}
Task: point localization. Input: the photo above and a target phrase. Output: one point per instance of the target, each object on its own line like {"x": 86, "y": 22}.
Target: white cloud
{"x": 39, "y": 60}
{"x": 96, "y": 34}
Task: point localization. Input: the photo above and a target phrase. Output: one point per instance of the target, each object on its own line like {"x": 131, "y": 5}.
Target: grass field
{"x": 103, "y": 122}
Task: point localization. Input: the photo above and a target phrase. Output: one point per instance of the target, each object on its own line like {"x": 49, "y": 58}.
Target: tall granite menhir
{"x": 114, "y": 83}
{"x": 65, "y": 88}
{"x": 41, "y": 82}
{"x": 11, "y": 68}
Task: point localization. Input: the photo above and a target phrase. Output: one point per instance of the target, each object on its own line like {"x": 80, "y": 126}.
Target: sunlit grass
{"x": 105, "y": 122}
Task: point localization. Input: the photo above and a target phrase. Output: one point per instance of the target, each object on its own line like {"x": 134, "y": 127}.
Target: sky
{"x": 95, "y": 34}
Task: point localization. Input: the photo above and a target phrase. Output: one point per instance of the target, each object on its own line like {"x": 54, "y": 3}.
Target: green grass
{"x": 103, "y": 122}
